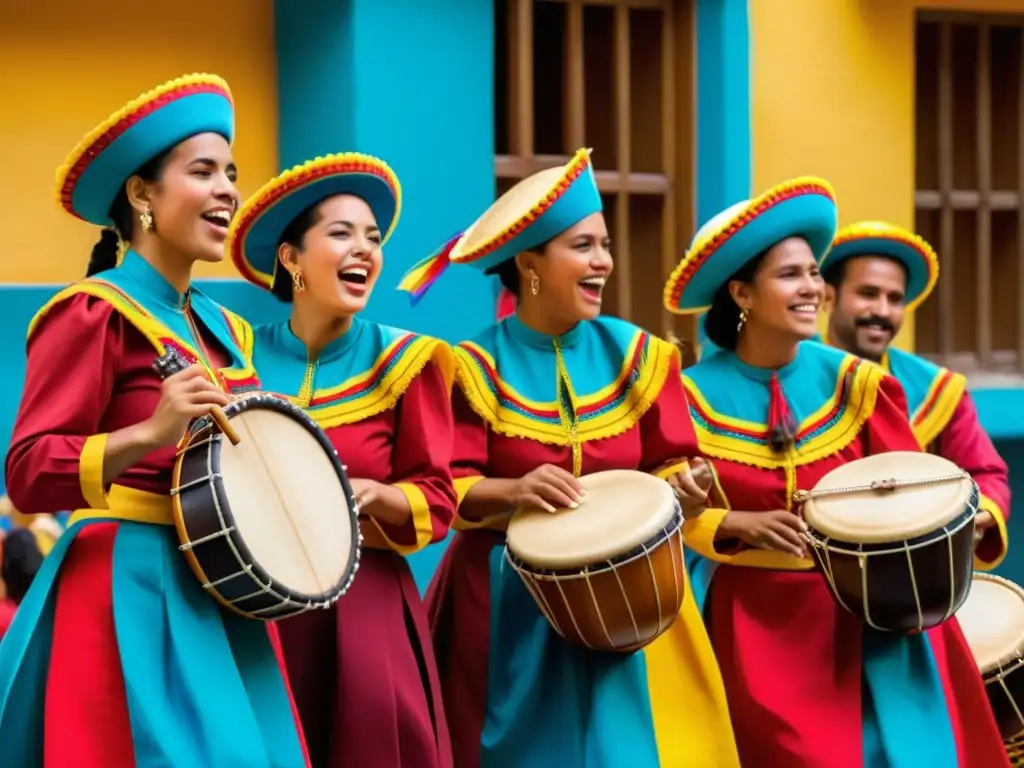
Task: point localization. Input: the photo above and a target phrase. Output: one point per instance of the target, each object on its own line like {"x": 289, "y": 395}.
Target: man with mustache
{"x": 875, "y": 274}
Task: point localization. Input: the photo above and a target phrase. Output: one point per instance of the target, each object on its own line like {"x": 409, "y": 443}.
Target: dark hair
{"x": 722, "y": 322}
{"x": 508, "y": 272}
{"x": 293, "y": 234}
{"x": 834, "y": 274}
{"x": 104, "y": 253}
{"x": 21, "y": 560}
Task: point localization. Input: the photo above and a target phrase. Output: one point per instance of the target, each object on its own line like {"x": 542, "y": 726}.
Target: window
{"x": 970, "y": 189}
{"x": 617, "y": 76}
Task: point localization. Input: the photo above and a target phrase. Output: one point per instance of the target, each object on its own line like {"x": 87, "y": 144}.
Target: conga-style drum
{"x": 608, "y": 575}
{"x": 893, "y": 535}
{"x": 992, "y": 620}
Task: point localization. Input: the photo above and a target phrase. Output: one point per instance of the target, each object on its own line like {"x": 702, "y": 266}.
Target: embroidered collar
{"x": 151, "y": 282}
{"x": 531, "y": 338}
{"x": 334, "y": 350}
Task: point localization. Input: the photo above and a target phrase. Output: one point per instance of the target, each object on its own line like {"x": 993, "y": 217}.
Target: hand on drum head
{"x": 779, "y": 529}
{"x": 691, "y": 487}
{"x": 547, "y": 487}
{"x": 184, "y": 396}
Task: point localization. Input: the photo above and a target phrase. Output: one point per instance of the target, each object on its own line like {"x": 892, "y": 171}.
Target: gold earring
{"x": 743, "y": 320}
{"x": 534, "y": 283}
{"x": 298, "y": 283}
{"x": 146, "y": 219}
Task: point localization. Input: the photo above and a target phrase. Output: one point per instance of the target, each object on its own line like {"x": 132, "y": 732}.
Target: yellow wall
{"x": 832, "y": 94}
{"x": 65, "y": 66}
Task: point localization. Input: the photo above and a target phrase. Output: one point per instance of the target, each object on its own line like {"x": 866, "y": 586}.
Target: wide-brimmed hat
{"x": 255, "y": 233}
{"x": 803, "y": 207}
{"x": 97, "y": 168}
{"x": 879, "y": 238}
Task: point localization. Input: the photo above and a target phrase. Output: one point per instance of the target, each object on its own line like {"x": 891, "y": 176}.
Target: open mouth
{"x": 355, "y": 276}
{"x": 876, "y": 331}
{"x": 806, "y": 310}
{"x": 591, "y": 287}
{"x": 219, "y": 218}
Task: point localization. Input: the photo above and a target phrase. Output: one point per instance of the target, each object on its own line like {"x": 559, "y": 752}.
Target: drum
{"x": 893, "y": 535}
{"x": 269, "y": 525}
{"x": 608, "y": 575}
{"x": 992, "y": 620}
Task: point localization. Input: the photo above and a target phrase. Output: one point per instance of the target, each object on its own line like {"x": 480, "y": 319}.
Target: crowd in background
{"x": 24, "y": 541}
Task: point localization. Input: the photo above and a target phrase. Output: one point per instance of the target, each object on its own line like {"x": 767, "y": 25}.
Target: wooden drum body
{"x": 608, "y": 575}
{"x": 992, "y": 620}
{"x": 269, "y": 526}
{"x": 893, "y": 535}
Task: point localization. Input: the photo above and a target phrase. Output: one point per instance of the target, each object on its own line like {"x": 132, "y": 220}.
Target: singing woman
{"x": 363, "y": 673}
{"x": 808, "y": 684}
{"x": 117, "y": 656}
{"x": 550, "y": 393}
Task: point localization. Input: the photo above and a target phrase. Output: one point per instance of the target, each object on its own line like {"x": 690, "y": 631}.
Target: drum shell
{"x": 935, "y": 569}
{"x": 1007, "y": 699}
{"x": 202, "y": 514}
{"x": 620, "y": 606}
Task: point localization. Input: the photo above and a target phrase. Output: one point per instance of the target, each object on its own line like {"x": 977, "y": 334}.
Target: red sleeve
{"x": 420, "y": 462}
{"x": 666, "y": 431}
{"x": 55, "y": 460}
{"x": 966, "y": 444}
{"x": 888, "y": 428}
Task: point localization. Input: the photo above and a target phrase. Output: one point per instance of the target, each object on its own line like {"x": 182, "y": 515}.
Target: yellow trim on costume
{"x": 129, "y": 505}
{"x": 90, "y": 471}
{"x": 150, "y": 327}
{"x": 859, "y": 405}
{"x": 388, "y": 390}
{"x": 419, "y": 516}
{"x": 988, "y": 505}
{"x": 650, "y": 377}
{"x": 87, "y": 141}
{"x": 699, "y": 535}
{"x": 497, "y": 522}
{"x": 928, "y": 425}
{"x": 666, "y": 472}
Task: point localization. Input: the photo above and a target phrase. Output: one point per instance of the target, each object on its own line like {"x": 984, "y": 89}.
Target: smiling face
{"x": 868, "y": 305}
{"x": 339, "y": 255}
{"x": 786, "y": 292}
{"x": 571, "y": 271}
{"x": 194, "y": 199}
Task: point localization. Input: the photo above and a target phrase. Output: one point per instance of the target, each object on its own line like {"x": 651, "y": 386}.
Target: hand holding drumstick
{"x": 691, "y": 487}
{"x": 191, "y": 390}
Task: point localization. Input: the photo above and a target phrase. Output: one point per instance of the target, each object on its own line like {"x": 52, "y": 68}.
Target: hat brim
{"x": 256, "y": 231}
{"x": 803, "y": 208}
{"x": 93, "y": 174}
{"x": 537, "y": 209}
{"x": 921, "y": 265}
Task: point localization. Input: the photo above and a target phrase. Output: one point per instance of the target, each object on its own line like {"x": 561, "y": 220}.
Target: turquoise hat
{"x": 256, "y": 231}
{"x": 879, "y": 238}
{"x": 537, "y": 209}
{"x": 103, "y": 161}
{"x": 803, "y": 207}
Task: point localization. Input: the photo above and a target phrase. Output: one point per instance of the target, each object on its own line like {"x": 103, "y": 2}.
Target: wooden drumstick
{"x": 170, "y": 363}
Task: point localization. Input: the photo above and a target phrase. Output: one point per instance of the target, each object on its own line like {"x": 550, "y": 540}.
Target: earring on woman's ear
{"x": 534, "y": 283}
{"x": 743, "y": 320}
{"x": 146, "y": 219}
{"x": 298, "y": 282}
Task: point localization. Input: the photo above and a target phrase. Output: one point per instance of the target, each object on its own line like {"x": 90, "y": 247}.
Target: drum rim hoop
{"x": 668, "y": 531}
{"x": 1010, "y": 662}
{"x": 257, "y": 573}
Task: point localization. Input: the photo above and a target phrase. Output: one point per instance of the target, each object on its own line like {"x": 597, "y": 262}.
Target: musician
{"x": 516, "y": 693}
{"x": 363, "y": 672}
{"x": 117, "y": 656}
{"x": 875, "y": 274}
{"x": 808, "y": 685}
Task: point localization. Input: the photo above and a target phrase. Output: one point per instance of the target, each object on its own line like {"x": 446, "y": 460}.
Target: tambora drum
{"x": 992, "y": 620}
{"x": 893, "y": 535}
{"x": 267, "y": 519}
{"x": 608, "y": 575}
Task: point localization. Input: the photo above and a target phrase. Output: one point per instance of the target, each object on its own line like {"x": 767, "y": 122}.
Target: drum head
{"x": 623, "y": 509}
{"x": 872, "y": 517}
{"x": 287, "y": 500}
{"x": 992, "y": 620}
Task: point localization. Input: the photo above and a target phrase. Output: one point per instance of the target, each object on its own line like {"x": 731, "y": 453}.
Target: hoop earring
{"x": 743, "y": 320}
{"x": 298, "y": 282}
{"x": 146, "y": 219}
{"x": 534, "y": 283}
